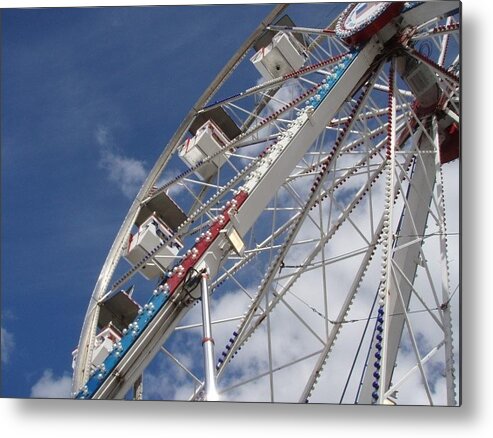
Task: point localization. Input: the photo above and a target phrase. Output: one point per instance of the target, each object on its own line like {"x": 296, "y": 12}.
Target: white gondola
{"x": 207, "y": 141}
{"x": 280, "y": 57}
{"x": 152, "y": 233}
{"x": 103, "y": 345}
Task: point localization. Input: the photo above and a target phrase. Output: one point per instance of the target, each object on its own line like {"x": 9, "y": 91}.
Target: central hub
{"x": 360, "y": 21}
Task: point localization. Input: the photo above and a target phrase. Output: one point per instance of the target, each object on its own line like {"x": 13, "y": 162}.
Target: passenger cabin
{"x": 118, "y": 310}
{"x": 279, "y": 58}
{"x": 104, "y": 344}
{"x": 207, "y": 141}
{"x": 157, "y": 220}
{"x": 115, "y": 314}
{"x": 278, "y": 53}
{"x": 422, "y": 82}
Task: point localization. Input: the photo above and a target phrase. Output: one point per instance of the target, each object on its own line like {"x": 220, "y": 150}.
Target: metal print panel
{"x": 254, "y": 203}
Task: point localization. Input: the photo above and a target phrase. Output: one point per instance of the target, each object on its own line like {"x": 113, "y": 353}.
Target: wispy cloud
{"x": 50, "y": 386}
{"x": 126, "y": 173}
{"x": 102, "y": 136}
{"x": 8, "y": 345}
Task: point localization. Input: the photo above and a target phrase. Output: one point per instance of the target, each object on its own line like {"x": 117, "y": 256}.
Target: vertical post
{"x": 385, "y": 295}
{"x": 444, "y": 308}
{"x": 139, "y": 388}
{"x": 208, "y": 343}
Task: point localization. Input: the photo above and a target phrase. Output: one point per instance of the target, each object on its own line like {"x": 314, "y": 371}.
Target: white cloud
{"x": 50, "y": 386}
{"x": 168, "y": 381}
{"x": 102, "y": 135}
{"x": 8, "y": 345}
{"x": 125, "y": 172}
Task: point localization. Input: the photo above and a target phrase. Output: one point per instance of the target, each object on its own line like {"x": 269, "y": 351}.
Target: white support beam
{"x": 388, "y": 237}
{"x": 445, "y": 280}
{"x": 413, "y": 222}
{"x": 208, "y": 342}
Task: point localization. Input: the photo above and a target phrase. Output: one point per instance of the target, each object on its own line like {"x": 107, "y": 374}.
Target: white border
{"x": 72, "y": 419}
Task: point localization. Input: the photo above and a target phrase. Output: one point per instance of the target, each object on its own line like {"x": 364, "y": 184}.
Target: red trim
{"x": 450, "y": 145}
{"x": 130, "y": 238}
{"x": 186, "y": 145}
{"x": 203, "y": 244}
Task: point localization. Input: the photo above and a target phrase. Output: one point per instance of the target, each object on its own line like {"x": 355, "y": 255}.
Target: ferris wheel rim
{"x": 113, "y": 255}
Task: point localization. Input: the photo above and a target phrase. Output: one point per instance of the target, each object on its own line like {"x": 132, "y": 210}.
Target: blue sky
{"x": 89, "y": 98}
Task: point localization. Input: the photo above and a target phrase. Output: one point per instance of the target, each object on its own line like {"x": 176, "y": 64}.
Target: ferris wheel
{"x": 292, "y": 243}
